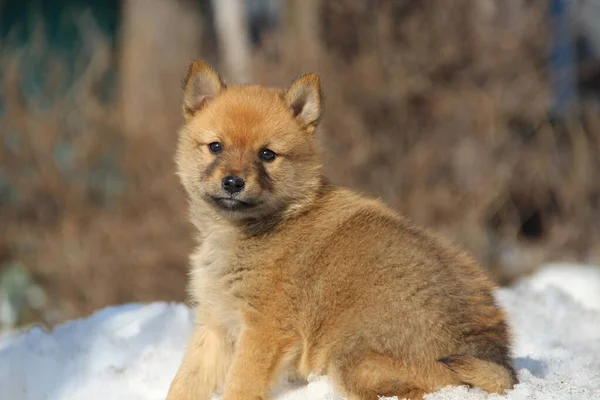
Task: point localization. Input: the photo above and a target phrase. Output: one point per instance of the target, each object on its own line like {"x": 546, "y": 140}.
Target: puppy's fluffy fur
{"x": 295, "y": 276}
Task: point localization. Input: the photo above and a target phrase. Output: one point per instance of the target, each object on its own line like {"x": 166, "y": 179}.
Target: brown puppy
{"x": 294, "y": 275}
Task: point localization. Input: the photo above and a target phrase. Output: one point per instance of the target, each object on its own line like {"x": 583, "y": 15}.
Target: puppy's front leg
{"x": 204, "y": 366}
{"x": 259, "y": 352}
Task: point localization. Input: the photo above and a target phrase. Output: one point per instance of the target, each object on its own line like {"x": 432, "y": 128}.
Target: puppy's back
{"x": 368, "y": 280}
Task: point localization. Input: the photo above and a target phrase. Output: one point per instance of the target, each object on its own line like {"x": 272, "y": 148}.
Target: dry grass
{"x": 97, "y": 216}
{"x": 440, "y": 112}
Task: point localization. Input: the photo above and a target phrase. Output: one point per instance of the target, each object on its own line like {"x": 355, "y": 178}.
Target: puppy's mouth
{"x": 231, "y": 204}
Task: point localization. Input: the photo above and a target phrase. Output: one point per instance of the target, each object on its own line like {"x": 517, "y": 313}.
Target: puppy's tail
{"x": 489, "y": 376}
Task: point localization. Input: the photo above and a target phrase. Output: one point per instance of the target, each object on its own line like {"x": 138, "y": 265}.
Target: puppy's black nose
{"x": 233, "y": 184}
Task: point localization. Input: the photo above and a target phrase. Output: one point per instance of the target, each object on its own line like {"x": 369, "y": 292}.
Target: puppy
{"x": 294, "y": 275}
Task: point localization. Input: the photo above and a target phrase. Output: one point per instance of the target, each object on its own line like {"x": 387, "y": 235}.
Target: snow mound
{"x": 126, "y": 352}
{"x": 582, "y": 282}
{"x": 133, "y": 351}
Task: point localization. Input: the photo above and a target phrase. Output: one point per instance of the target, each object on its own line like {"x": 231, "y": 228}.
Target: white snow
{"x": 582, "y": 282}
{"x": 133, "y": 351}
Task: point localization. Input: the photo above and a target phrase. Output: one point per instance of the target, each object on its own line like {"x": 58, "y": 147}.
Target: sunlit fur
{"x": 294, "y": 276}
{"x": 246, "y": 120}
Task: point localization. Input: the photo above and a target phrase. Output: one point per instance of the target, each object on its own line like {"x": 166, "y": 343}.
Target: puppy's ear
{"x": 201, "y": 85}
{"x": 305, "y": 100}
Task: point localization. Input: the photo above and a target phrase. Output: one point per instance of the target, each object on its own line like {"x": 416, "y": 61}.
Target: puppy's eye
{"x": 215, "y": 147}
{"x": 267, "y": 155}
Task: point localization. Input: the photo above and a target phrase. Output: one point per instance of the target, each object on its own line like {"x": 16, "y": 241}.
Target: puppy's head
{"x": 248, "y": 151}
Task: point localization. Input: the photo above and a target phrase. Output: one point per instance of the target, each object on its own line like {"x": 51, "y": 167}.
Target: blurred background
{"x": 477, "y": 118}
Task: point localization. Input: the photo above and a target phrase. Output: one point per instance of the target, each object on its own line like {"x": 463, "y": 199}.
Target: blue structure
{"x": 563, "y": 63}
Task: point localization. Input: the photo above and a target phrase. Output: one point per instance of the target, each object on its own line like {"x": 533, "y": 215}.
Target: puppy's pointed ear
{"x": 304, "y": 99}
{"x": 201, "y": 85}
